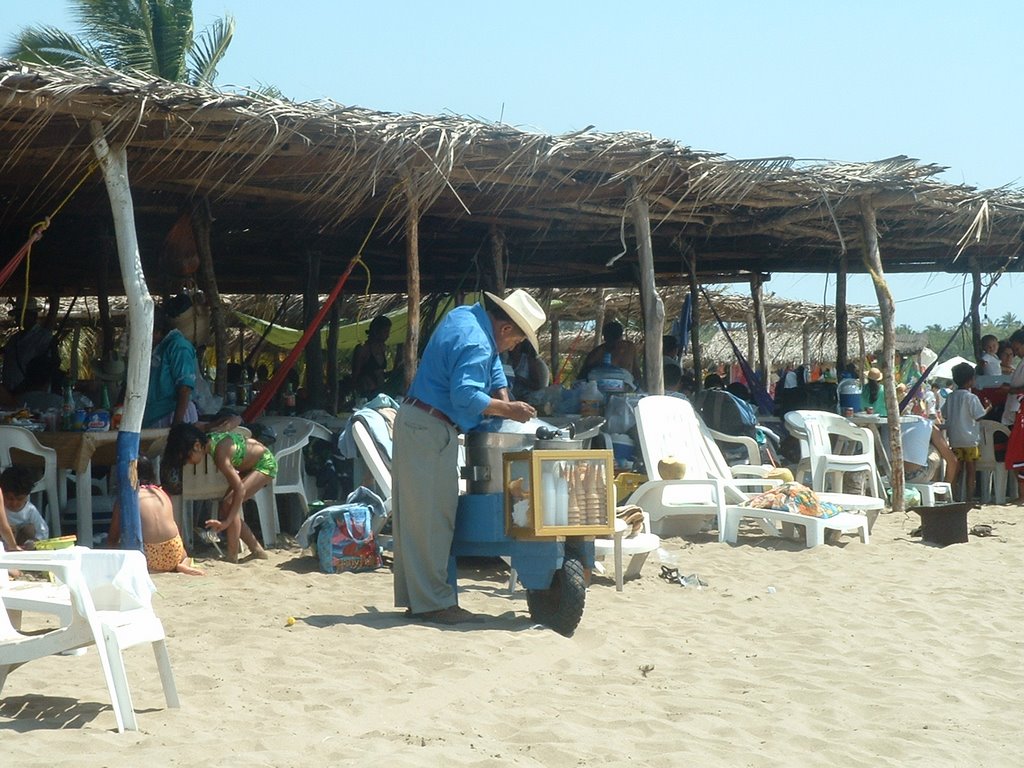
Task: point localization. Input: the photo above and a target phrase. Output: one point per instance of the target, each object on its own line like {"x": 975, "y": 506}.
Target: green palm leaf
{"x": 152, "y": 36}
{"x": 208, "y": 49}
{"x": 49, "y": 45}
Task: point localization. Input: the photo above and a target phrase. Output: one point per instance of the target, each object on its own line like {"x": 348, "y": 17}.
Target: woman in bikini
{"x": 247, "y": 464}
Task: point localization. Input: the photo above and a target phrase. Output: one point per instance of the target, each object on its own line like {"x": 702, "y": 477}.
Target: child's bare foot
{"x": 188, "y": 569}
{"x": 259, "y": 553}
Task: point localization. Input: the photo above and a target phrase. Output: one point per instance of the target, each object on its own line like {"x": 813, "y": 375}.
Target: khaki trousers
{"x": 424, "y": 498}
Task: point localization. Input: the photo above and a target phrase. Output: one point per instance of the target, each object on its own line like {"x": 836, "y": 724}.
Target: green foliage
{"x": 151, "y": 36}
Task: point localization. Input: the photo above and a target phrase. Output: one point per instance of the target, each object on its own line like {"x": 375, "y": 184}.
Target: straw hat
{"x": 33, "y": 305}
{"x": 874, "y": 374}
{"x": 524, "y": 311}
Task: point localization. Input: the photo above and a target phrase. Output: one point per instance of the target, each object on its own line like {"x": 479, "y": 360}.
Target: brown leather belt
{"x": 432, "y": 411}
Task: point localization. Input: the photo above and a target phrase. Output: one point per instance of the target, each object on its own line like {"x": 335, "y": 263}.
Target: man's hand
{"x": 520, "y": 411}
{"x": 216, "y": 525}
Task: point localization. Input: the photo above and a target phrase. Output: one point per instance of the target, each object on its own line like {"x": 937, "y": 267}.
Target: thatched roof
{"x": 287, "y": 179}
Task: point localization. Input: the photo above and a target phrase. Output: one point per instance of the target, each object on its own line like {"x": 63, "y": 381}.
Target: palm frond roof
{"x": 287, "y": 181}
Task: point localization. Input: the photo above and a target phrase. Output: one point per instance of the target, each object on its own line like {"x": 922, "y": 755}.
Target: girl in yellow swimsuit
{"x": 248, "y": 466}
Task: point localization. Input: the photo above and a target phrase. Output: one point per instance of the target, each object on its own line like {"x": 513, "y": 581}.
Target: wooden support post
{"x": 602, "y": 297}
{"x": 332, "y": 359}
{"x": 887, "y": 311}
{"x": 842, "y": 318}
{"x": 314, "y": 350}
{"x": 862, "y": 350}
{"x": 757, "y": 295}
{"x": 103, "y": 299}
{"x": 975, "y": 307}
{"x": 495, "y": 275}
{"x": 751, "y": 341}
{"x": 654, "y": 309}
{"x": 698, "y": 362}
{"x": 555, "y": 367}
{"x": 114, "y": 162}
{"x": 412, "y": 262}
{"x": 202, "y": 220}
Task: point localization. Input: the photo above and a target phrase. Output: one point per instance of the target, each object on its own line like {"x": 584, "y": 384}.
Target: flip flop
{"x": 982, "y": 529}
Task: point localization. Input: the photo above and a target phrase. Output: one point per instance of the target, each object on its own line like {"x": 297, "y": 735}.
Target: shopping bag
{"x": 345, "y": 540}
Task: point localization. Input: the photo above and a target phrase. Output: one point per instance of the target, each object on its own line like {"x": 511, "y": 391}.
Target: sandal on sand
{"x": 209, "y": 537}
{"x": 672, "y": 575}
{"x": 982, "y": 529}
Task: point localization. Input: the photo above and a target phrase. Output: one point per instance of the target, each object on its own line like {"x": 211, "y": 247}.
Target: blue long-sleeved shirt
{"x": 460, "y": 367}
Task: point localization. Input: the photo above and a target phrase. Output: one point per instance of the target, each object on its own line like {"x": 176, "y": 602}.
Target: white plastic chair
{"x": 827, "y": 466}
{"x": 636, "y": 547}
{"x": 993, "y": 473}
{"x": 109, "y": 600}
{"x": 34, "y": 597}
{"x": 668, "y": 426}
{"x": 293, "y": 434}
{"x": 202, "y": 482}
{"x": 19, "y": 438}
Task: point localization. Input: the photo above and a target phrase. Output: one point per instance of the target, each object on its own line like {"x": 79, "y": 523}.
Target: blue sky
{"x": 939, "y": 81}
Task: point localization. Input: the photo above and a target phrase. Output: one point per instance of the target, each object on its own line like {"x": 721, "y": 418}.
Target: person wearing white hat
{"x": 27, "y": 344}
{"x": 459, "y": 381}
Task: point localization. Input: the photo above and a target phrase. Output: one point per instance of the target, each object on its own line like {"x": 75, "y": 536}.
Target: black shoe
{"x": 450, "y": 616}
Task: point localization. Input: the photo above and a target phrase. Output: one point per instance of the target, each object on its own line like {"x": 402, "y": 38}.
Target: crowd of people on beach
{"x": 481, "y": 360}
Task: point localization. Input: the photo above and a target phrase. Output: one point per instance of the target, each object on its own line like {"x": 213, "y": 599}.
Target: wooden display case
{"x": 559, "y": 493}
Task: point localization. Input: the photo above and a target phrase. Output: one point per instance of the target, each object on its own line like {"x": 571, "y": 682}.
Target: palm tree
{"x": 152, "y": 36}
{"x": 1009, "y": 322}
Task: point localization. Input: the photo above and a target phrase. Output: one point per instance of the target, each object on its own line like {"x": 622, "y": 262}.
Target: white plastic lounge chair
{"x": 109, "y": 597}
{"x": 635, "y": 547}
{"x": 370, "y": 455}
{"x": 668, "y": 426}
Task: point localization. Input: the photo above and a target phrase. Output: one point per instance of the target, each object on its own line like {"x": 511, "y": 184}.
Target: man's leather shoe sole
{"x": 450, "y": 616}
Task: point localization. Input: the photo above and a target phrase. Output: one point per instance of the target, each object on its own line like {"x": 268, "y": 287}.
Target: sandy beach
{"x": 894, "y": 653}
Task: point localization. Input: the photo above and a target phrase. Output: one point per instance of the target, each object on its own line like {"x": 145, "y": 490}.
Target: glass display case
{"x": 559, "y": 493}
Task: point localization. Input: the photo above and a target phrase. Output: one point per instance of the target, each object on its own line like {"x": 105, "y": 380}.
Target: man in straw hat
{"x": 459, "y": 381}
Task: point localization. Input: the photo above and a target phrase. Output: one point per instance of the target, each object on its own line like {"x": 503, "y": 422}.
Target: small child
{"x": 247, "y": 464}
{"x": 23, "y": 519}
{"x": 961, "y": 412}
{"x": 161, "y": 542}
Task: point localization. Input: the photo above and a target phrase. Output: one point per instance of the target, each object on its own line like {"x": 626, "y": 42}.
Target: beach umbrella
{"x": 944, "y": 370}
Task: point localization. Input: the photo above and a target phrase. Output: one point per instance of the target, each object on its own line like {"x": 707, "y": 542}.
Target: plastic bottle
{"x": 116, "y": 416}
{"x": 591, "y": 400}
{"x": 610, "y": 378}
{"x": 288, "y": 399}
{"x": 849, "y": 395}
{"x": 67, "y": 411}
{"x": 105, "y": 399}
